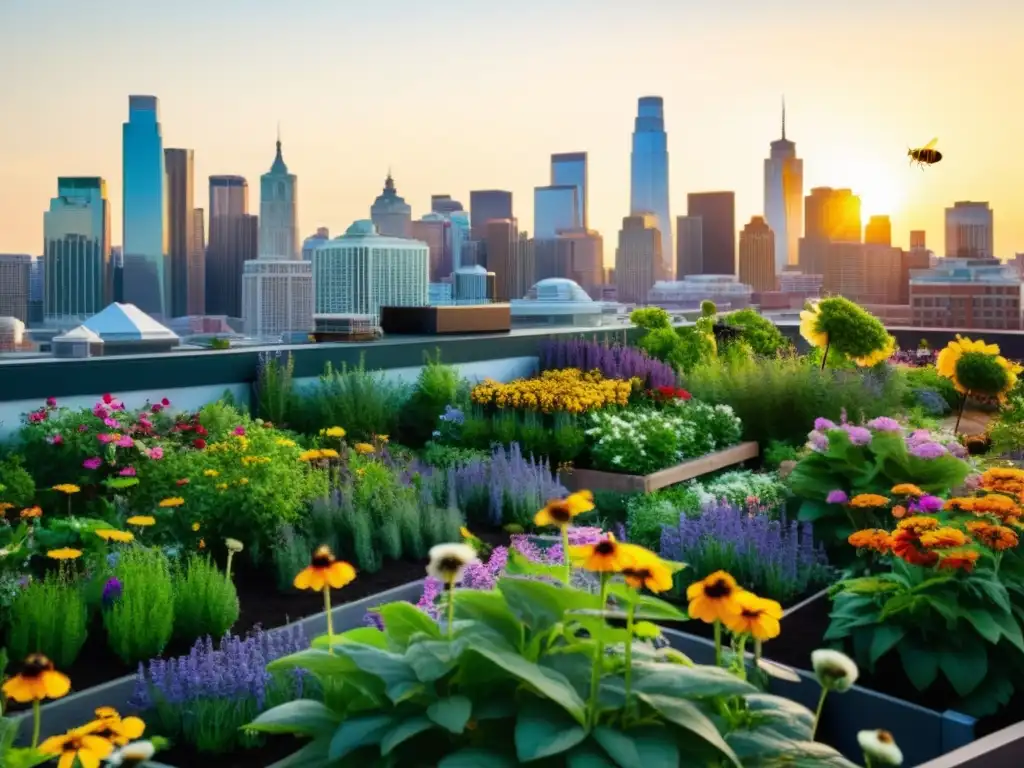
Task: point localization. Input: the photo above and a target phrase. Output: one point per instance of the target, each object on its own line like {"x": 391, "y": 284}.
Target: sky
{"x": 454, "y": 95}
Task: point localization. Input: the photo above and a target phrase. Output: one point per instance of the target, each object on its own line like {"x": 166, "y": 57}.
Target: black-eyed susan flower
{"x": 141, "y": 520}
{"x": 111, "y": 726}
{"x": 713, "y": 599}
{"x": 64, "y": 553}
{"x": 757, "y": 617}
{"x": 111, "y": 534}
{"x": 37, "y": 680}
{"x": 880, "y": 748}
{"x": 604, "y": 556}
{"x": 560, "y": 512}
{"x": 324, "y": 570}
{"x": 78, "y": 744}
{"x": 171, "y": 502}
{"x": 448, "y": 561}
{"x": 652, "y": 575}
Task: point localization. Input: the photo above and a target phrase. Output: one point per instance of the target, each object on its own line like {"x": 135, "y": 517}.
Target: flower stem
{"x": 565, "y": 554}
{"x": 867, "y": 760}
{"x": 227, "y": 568}
{"x": 330, "y": 620}
{"x": 824, "y": 356}
{"x": 960, "y": 412}
{"x": 742, "y": 653}
{"x": 37, "y": 721}
{"x": 595, "y": 674}
{"x": 817, "y": 712}
{"x": 630, "y": 610}
{"x": 718, "y": 643}
{"x": 757, "y": 654}
{"x": 451, "y": 609}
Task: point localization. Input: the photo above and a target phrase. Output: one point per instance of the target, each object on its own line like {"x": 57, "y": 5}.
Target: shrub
{"x": 436, "y": 386}
{"x": 205, "y": 600}
{"x": 839, "y": 327}
{"x": 763, "y": 336}
{"x": 18, "y": 486}
{"x": 684, "y": 347}
{"x": 140, "y": 622}
{"x": 49, "y": 616}
{"x": 927, "y": 378}
{"x": 613, "y": 361}
{"x": 273, "y": 388}
{"x": 291, "y": 554}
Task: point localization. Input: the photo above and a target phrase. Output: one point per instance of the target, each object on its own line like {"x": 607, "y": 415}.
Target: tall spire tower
{"x": 649, "y": 172}
{"x": 784, "y": 198}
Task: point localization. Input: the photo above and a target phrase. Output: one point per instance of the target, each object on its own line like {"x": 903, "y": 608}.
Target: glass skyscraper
{"x": 649, "y": 171}
{"x": 571, "y": 168}
{"x": 76, "y": 234}
{"x": 146, "y": 279}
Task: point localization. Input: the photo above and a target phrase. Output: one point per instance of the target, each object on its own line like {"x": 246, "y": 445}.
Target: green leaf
{"x": 520, "y": 565}
{"x": 359, "y": 732}
{"x": 597, "y": 627}
{"x": 965, "y": 667}
{"x": 472, "y": 757}
{"x": 984, "y": 624}
{"x": 452, "y": 713}
{"x": 1010, "y": 628}
{"x": 541, "y": 605}
{"x": 884, "y": 639}
{"x": 403, "y": 620}
{"x": 405, "y": 730}
{"x": 549, "y": 683}
{"x": 543, "y": 729}
{"x": 495, "y": 708}
{"x": 433, "y": 659}
{"x": 312, "y": 755}
{"x": 399, "y": 678}
{"x": 666, "y": 679}
{"x": 687, "y": 716}
{"x": 783, "y": 716}
{"x": 920, "y": 664}
{"x": 361, "y": 635}
{"x": 646, "y": 630}
{"x": 489, "y": 608}
{"x": 588, "y": 755}
{"x": 656, "y": 609}
{"x": 766, "y": 749}
{"x": 639, "y": 747}
{"x": 302, "y": 716}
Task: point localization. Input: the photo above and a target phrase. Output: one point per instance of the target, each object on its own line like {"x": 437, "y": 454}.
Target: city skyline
{"x": 721, "y": 105}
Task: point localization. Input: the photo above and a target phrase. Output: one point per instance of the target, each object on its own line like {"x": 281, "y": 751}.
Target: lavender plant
{"x": 774, "y": 558}
{"x": 205, "y": 697}
{"x": 613, "y": 361}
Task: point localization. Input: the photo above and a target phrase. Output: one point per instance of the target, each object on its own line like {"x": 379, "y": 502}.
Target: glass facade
{"x": 146, "y": 280}
{"x": 649, "y": 171}
{"x": 76, "y": 235}
{"x": 555, "y": 208}
{"x": 570, "y": 168}
{"x": 487, "y": 205}
{"x": 233, "y": 241}
{"x": 180, "y": 225}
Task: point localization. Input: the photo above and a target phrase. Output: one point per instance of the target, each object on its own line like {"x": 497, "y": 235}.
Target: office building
{"x": 969, "y": 294}
{"x": 179, "y": 165}
{"x": 444, "y": 204}
{"x": 314, "y": 241}
{"x": 146, "y": 281}
{"x": 638, "y": 259}
{"x": 459, "y": 233}
{"x": 279, "y": 212}
{"x": 473, "y": 285}
{"x": 36, "y": 291}
{"x": 555, "y": 208}
{"x": 830, "y": 215}
{"x": 784, "y": 198}
{"x": 362, "y": 271}
{"x": 234, "y": 234}
{"x": 757, "y": 255}
{"x": 586, "y": 259}
{"x": 15, "y": 285}
{"x": 917, "y": 238}
{"x": 510, "y": 257}
{"x": 717, "y": 211}
{"x": 863, "y": 273}
{"x": 649, "y": 172}
{"x": 197, "y": 265}
{"x": 488, "y": 205}
{"x": 878, "y": 231}
{"x": 570, "y": 169}
{"x": 390, "y": 213}
{"x": 76, "y": 243}
{"x": 434, "y": 229}
{"x": 917, "y": 258}
{"x": 969, "y": 231}
{"x": 689, "y": 246}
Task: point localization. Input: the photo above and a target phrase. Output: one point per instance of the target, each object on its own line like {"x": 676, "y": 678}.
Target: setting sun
{"x": 882, "y": 186}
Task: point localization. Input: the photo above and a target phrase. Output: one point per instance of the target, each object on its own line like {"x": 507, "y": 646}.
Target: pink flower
{"x": 165, "y": 402}
{"x": 112, "y": 423}
{"x": 93, "y": 463}
{"x": 51, "y": 402}
{"x": 37, "y": 416}
{"x": 125, "y": 441}
{"x": 837, "y": 496}
{"x": 239, "y": 430}
{"x": 157, "y": 408}
{"x": 155, "y": 453}
{"x": 127, "y": 472}
{"x": 83, "y": 427}
{"x": 108, "y": 398}
{"x": 100, "y": 411}
{"x": 57, "y": 439}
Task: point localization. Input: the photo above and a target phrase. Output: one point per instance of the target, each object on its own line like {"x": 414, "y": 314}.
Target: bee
{"x": 926, "y": 155}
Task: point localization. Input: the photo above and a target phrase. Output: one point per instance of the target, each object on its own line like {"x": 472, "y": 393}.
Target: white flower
{"x": 448, "y": 561}
{"x": 834, "y": 670}
{"x": 233, "y": 545}
{"x": 880, "y": 747}
{"x": 136, "y": 753}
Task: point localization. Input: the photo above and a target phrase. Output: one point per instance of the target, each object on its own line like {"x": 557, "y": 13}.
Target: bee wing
{"x": 930, "y": 144}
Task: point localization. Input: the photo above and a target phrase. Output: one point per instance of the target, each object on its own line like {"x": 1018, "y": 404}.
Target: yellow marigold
{"x": 332, "y": 432}
{"x": 328, "y": 453}
{"x": 110, "y": 534}
{"x": 363, "y": 448}
{"x": 311, "y": 455}
{"x": 868, "y": 500}
{"x": 67, "y": 488}
{"x": 995, "y": 537}
{"x": 994, "y": 504}
{"x": 173, "y": 501}
{"x": 248, "y": 461}
{"x": 195, "y": 526}
{"x": 285, "y": 442}
{"x": 944, "y": 538}
{"x": 906, "y": 489}
{"x": 65, "y": 553}
{"x": 210, "y": 473}
{"x": 870, "y": 538}
{"x": 141, "y": 520}
{"x": 221, "y": 486}
{"x": 243, "y": 481}
{"x": 918, "y": 524}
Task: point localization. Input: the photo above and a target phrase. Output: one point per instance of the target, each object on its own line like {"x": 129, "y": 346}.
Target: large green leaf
{"x": 473, "y": 757}
{"x": 433, "y": 659}
{"x": 312, "y": 755}
{"x": 399, "y": 678}
{"x": 664, "y": 679}
{"x": 541, "y": 605}
{"x": 359, "y": 732}
{"x": 1010, "y": 628}
{"x": 489, "y": 608}
{"x": 920, "y": 664}
{"x": 303, "y": 717}
{"x": 884, "y": 639}
{"x": 362, "y": 635}
{"x": 984, "y": 624}
{"x": 451, "y": 713}
{"x": 403, "y": 620}
{"x": 639, "y": 747}
{"x": 548, "y": 683}
{"x": 589, "y": 755}
{"x": 597, "y": 628}
{"x": 688, "y": 716}
{"x": 403, "y": 731}
{"x": 519, "y": 564}
{"x": 543, "y": 729}
{"x": 767, "y": 749}
{"x": 781, "y": 715}
{"x": 965, "y": 666}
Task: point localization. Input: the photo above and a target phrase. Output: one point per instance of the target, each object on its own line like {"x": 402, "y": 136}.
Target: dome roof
{"x": 361, "y": 227}
{"x": 557, "y": 289}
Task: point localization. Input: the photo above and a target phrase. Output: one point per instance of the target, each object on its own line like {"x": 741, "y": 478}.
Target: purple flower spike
{"x": 837, "y": 497}
{"x": 112, "y": 591}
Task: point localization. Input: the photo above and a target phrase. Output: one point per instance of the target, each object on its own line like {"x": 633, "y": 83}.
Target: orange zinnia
{"x": 870, "y": 538}
{"x": 904, "y": 545}
{"x": 994, "y": 504}
{"x": 963, "y": 560}
{"x": 995, "y": 537}
{"x": 324, "y": 570}
{"x": 918, "y": 524}
{"x": 906, "y": 489}
{"x": 959, "y": 504}
{"x": 944, "y": 538}
{"x": 868, "y": 500}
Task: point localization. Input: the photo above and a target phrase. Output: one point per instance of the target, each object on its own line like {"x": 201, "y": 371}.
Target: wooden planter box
{"x": 598, "y": 480}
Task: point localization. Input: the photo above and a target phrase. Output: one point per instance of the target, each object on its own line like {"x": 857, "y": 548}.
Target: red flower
{"x": 51, "y": 402}
{"x": 201, "y": 430}
{"x": 165, "y": 402}
{"x": 156, "y": 408}
{"x": 183, "y": 481}
{"x": 682, "y": 394}
{"x": 667, "y": 391}
{"x": 239, "y": 430}
{"x": 108, "y": 398}
{"x": 199, "y": 443}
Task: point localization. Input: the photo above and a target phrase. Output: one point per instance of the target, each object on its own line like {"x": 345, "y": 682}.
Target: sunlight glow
{"x": 882, "y": 186}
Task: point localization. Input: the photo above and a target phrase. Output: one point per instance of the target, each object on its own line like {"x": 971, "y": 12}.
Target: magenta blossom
{"x": 928, "y": 450}
{"x": 106, "y": 437}
{"x": 927, "y": 503}
{"x": 37, "y": 417}
{"x": 858, "y": 435}
{"x": 156, "y": 453}
{"x": 817, "y": 442}
{"x": 51, "y": 402}
{"x": 239, "y": 430}
{"x": 93, "y": 463}
{"x": 112, "y": 423}
{"x": 125, "y": 441}
{"x": 821, "y": 424}
{"x": 127, "y": 472}
{"x": 57, "y": 439}
{"x": 83, "y": 427}
{"x": 884, "y": 424}
{"x": 837, "y": 496}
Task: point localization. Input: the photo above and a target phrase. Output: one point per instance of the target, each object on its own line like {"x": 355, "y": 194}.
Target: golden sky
{"x": 456, "y": 95}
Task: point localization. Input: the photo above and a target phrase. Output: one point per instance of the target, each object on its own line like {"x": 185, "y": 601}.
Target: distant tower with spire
{"x": 279, "y": 209}
{"x": 389, "y": 212}
{"x": 784, "y": 198}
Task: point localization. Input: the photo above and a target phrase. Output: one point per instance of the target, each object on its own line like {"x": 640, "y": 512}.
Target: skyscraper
{"x": 830, "y": 215}
{"x": 390, "y": 213}
{"x": 757, "y": 255}
{"x": 969, "y": 231}
{"x": 487, "y": 205}
{"x": 638, "y": 260}
{"x": 15, "y": 280}
{"x": 180, "y": 224}
{"x": 570, "y": 168}
{"x": 76, "y": 248}
{"x": 146, "y": 278}
{"x": 878, "y": 231}
{"x": 279, "y": 203}
{"x": 233, "y": 241}
{"x": 434, "y": 229}
{"x": 555, "y": 208}
{"x": 197, "y": 265}
{"x": 649, "y": 171}
{"x": 510, "y": 257}
{"x": 784, "y": 197}
{"x": 717, "y": 211}
{"x": 689, "y": 246}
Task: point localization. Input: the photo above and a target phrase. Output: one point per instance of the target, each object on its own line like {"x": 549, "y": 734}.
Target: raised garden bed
{"x": 597, "y": 480}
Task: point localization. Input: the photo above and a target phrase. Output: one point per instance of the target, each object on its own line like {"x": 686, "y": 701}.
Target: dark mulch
{"x": 277, "y": 748}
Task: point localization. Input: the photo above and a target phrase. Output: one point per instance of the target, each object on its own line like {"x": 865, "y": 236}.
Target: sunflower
{"x": 36, "y": 681}
{"x": 324, "y": 570}
{"x": 67, "y": 488}
{"x": 141, "y": 520}
{"x": 906, "y": 489}
{"x": 448, "y": 561}
{"x": 714, "y": 598}
{"x": 962, "y": 360}
{"x": 604, "y": 556}
{"x": 64, "y": 553}
{"x": 809, "y": 319}
{"x": 879, "y": 355}
{"x": 757, "y": 617}
{"x": 560, "y": 512}
{"x": 110, "y": 534}
{"x": 81, "y": 744}
{"x": 173, "y": 501}
{"x": 868, "y": 500}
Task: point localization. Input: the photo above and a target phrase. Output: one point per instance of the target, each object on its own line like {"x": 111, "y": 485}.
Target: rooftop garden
{"x": 682, "y": 553}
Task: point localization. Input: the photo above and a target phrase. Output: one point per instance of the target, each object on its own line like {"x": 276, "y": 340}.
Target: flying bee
{"x": 926, "y": 155}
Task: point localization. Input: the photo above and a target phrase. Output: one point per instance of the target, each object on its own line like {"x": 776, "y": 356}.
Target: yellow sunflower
{"x": 809, "y": 327}
{"x": 947, "y": 363}
{"x": 876, "y": 357}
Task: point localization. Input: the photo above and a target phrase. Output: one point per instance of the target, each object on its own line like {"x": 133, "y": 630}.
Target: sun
{"x": 881, "y": 186}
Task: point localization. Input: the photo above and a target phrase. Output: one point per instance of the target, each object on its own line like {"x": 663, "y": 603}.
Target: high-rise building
{"x": 689, "y": 246}
{"x": 15, "y": 281}
{"x": 510, "y": 257}
{"x": 314, "y": 241}
{"x": 918, "y": 257}
{"x": 966, "y": 293}
{"x": 649, "y": 172}
{"x": 878, "y": 231}
{"x": 36, "y": 290}
{"x": 638, "y": 260}
{"x": 146, "y": 280}
{"x": 362, "y": 271}
{"x": 917, "y": 238}
{"x": 586, "y": 260}
{"x": 390, "y": 213}
{"x": 830, "y": 215}
{"x": 233, "y": 241}
{"x": 784, "y": 198}
{"x": 279, "y": 206}
{"x": 717, "y": 211}
{"x": 197, "y": 266}
{"x": 76, "y": 249}
{"x": 179, "y": 164}
{"x": 487, "y": 205}
{"x": 570, "y": 168}
{"x": 460, "y": 229}
{"x": 444, "y": 204}
{"x": 969, "y": 231}
{"x": 757, "y": 255}
{"x": 434, "y": 229}
{"x": 863, "y": 273}
{"x": 555, "y": 208}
